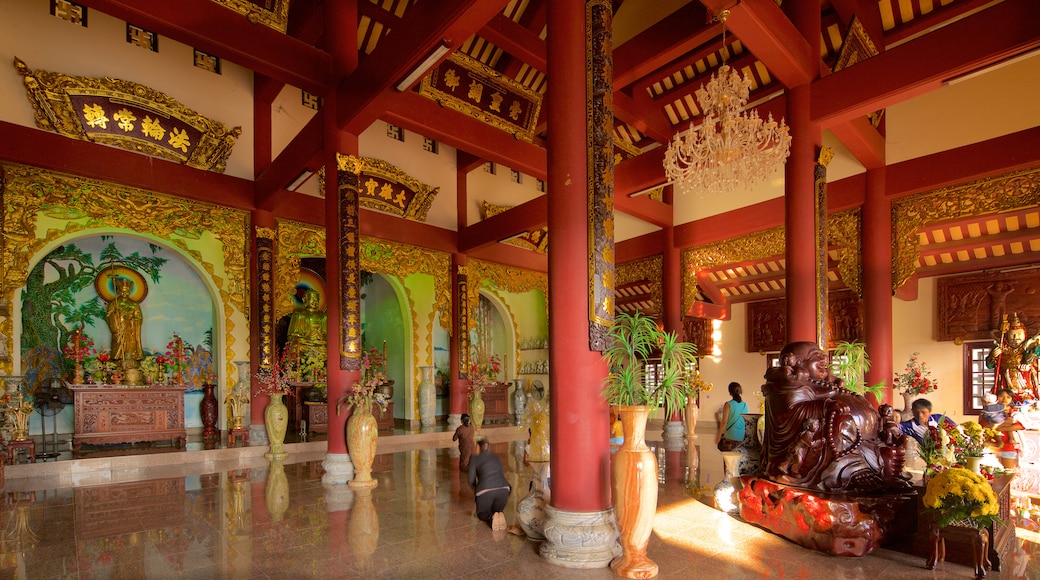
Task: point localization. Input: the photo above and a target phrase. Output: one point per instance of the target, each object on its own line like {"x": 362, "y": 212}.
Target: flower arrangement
{"x": 916, "y": 378}
{"x": 975, "y": 439}
{"x": 272, "y": 381}
{"x": 484, "y": 373}
{"x": 373, "y": 368}
{"x": 176, "y": 356}
{"x": 958, "y": 496}
{"x": 105, "y": 365}
{"x": 362, "y": 396}
{"x": 698, "y": 385}
{"x": 80, "y": 346}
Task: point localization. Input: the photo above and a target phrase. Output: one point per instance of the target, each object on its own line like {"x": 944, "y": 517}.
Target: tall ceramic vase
{"x": 634, "y": 487}
{"x": 208, "y": 410}
{"x": 276, "y": 421}
{"x": 908, "y": 401}
{"x": 476, "y": 410}
{"x": 427, "y": 398}
{"x": 362, "y": 433}
{"x": 691, "y": 412}
{"x": 519, "y": 400}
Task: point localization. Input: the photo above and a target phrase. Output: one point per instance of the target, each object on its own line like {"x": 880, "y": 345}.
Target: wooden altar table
{"x": 108, "y": 414}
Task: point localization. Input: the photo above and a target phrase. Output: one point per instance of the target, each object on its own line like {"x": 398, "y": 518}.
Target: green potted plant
{"x": 637, "y": 341}
{"x": 851, "y": 363}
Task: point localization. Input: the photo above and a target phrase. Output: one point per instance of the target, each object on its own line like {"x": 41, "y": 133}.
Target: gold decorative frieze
{"x": 754, "y": 246}
{"x": 297, "y": 240}
{"x": 127, "y": 115}
{"x": 599, "y": 130}
{"x": 84, "y": 204}
{"x": 856, "y": 47}
{"x": 534, "y": 240}
{"x": 649, "y": 270}
{"x": 386, "y": 187}
{"x": 507, "y": 278}
{"x": 271, "y": 13}
{"x": 844, "y": 233}
{"x": 469, "y": 86}
{"x": 1007, "y": 192}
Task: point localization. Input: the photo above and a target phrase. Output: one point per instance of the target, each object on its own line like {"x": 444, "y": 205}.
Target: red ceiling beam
{"x": 294, "y": 159}
{"x": 645, "y": 208}
{"x": 985, "y": 242}
{"x": 868, "y": 14}
{"x": 208, "y": 26}
{"x": 639, "y": 247}
{"x": 644, "y": 115}
{"x": 738, "y": 222}
{"x": 662, "y": 43}
{"x": 640, "y": 173}
{"x": 516, "y": 40}
{"x": 417, "y": 113}
{"x": 525, "y": 217}
{"x": 767, "y": 32}
{"x": 512, "y": 256}
{"x": 362, "y": 95}
{"x": 937, "y": 17}
{"x": 863, "y": 141}
{"x": 46, "y": 150}
{"x": 1007, "y": 261}
{"x": 923, "y": 64}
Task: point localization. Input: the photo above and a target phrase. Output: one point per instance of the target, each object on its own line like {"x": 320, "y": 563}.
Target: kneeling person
{"x": 488, "y": 479}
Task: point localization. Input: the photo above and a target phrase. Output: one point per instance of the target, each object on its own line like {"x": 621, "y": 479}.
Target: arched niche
{"x": 386, "y": 316}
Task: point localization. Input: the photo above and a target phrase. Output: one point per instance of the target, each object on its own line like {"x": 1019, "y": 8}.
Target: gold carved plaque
{"x": 127, "y": 115}
{"x": 479, "y": 91}
{"x": 385, "y": 187}
{"x": 534, "y": 240}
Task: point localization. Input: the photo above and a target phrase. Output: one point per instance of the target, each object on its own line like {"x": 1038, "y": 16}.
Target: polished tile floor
{"x": 279, "y": 521}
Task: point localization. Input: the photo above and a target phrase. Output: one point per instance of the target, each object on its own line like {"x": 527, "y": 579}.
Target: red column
{"x": 457, "y": 398}
{"x": 877, "y": 280}
{"x": 799, "y": 205}
{"x": 671, "y": 290}
{"x": 257, "y": 403}
{"x": 578, "y": 419}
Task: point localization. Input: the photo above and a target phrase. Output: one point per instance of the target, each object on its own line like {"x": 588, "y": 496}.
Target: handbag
{"x": 728, "y": 444}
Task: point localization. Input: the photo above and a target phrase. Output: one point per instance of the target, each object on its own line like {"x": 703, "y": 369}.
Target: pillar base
{"x": 339, "y": 469}
{"x": 580, "y": 539}
{"x": 258, "y": 436}
{"x": 454, "y": 420}
{"x": 673, "y": 435}
{"x": 338, "y": 498}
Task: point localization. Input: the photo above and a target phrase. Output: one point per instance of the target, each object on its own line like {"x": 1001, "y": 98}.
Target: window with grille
{"x": 978, "y": 380}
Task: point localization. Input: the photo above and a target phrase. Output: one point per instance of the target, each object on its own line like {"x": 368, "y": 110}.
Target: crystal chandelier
{"x": 731, "y": 149}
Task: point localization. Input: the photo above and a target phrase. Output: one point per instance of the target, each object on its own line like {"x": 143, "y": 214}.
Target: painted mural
{"x": 70, "y": 288}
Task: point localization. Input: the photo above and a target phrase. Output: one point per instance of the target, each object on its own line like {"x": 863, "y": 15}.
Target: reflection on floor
{"x": 279, "y": 521}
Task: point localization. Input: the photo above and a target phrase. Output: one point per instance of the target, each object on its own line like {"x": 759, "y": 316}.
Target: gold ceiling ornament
{"x": 749, "y": 247}
{"x": 855, "y": 48}
{"x": 466, "y": 85}
{"x": 732, "y": 148}
{"x": 534, "y": 240}
{"x": 650, "y": 270}
{"x": 270, "y": 13}
{"x": 29, "y": 192}
{"x": 385, "y": 187}
{"x": 297, "y": 240}
{"x": 507, "y": 278}
{"x": 1008, "y": 192}
{"x": 127, "y": 115}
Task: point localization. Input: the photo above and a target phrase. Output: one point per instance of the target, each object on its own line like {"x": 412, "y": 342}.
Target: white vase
{"x": 427, "y": 398}
{"x": 519, "y": 399}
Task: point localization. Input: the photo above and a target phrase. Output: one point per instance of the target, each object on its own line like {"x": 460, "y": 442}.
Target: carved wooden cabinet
{"x": 316, "y": 413}
{"x": 107, "y": 414}
{"x": 496, "y": 404}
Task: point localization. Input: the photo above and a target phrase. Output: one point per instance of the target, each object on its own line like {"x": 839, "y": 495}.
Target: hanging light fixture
{"x": 732, "y": 149}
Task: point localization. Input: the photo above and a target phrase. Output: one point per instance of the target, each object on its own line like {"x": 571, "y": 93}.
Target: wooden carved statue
{"x": 819, "y": 435}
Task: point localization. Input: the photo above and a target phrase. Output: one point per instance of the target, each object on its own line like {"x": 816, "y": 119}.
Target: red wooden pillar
{"x": 338, "y": 468}
{"x": 458, "y": 397}
{"x": 262, "y": 339}
{"x": 671, "y": 290}
{"x": 877, "y": 280}
{"x": 799, "y": 198}
{"x": 579, "y": 526}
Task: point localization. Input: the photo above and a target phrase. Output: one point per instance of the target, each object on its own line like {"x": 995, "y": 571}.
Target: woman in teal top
{"x": 732, "y": 422}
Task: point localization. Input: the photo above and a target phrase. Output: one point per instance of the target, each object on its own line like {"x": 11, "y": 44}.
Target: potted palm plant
{"x": 637, "y": 341}
{"x": 851, "y": 364}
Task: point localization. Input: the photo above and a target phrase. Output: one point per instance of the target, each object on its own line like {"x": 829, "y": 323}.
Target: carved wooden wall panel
{"x": 767, "y": 321}
{"x": 698, "y": 331}
{"x": 970, "y": 307}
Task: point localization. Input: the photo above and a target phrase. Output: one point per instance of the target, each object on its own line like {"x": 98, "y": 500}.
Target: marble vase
{"x": 690, "y": 417}
{"x": 530, "y": 510}
{"x": 427, "y": 398}
{"x": 362, "y": 436}
{"x": 634, "y": 487}
{"x": 519, "y": 400}
{"x": 476, "y": 410}
{"x": 276, "y": 490}
{"x": 276, "y": 421}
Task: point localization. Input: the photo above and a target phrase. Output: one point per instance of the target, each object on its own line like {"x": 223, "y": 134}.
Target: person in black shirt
{"x": 491, "y": 490}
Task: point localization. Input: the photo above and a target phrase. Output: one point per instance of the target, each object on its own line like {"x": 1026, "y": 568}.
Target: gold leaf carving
{"x": 650, "y": 269}
{"x": 508, "y": 278}
{"x": 844, "y": 233}
{"x": 276, "y": 17}
{"x": 30, "y": 191}
{"x": 754, "y": 246}
{"x": 53, "y": 97}
{"x": 1007, "y": 192}
{"x": 422, "y": 194}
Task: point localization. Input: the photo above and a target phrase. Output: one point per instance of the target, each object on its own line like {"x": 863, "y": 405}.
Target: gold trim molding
{"x": 650, "y": 269}
{"x": 1008, "y": 192}
{"x": 89, "y": 204}
{"x": 127, "y": 115}
{"x": 507, "y": 278}
{"x": 256, "y": 12}
{"x": 534, "y": 240}
{"x": 753, "y": 246}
